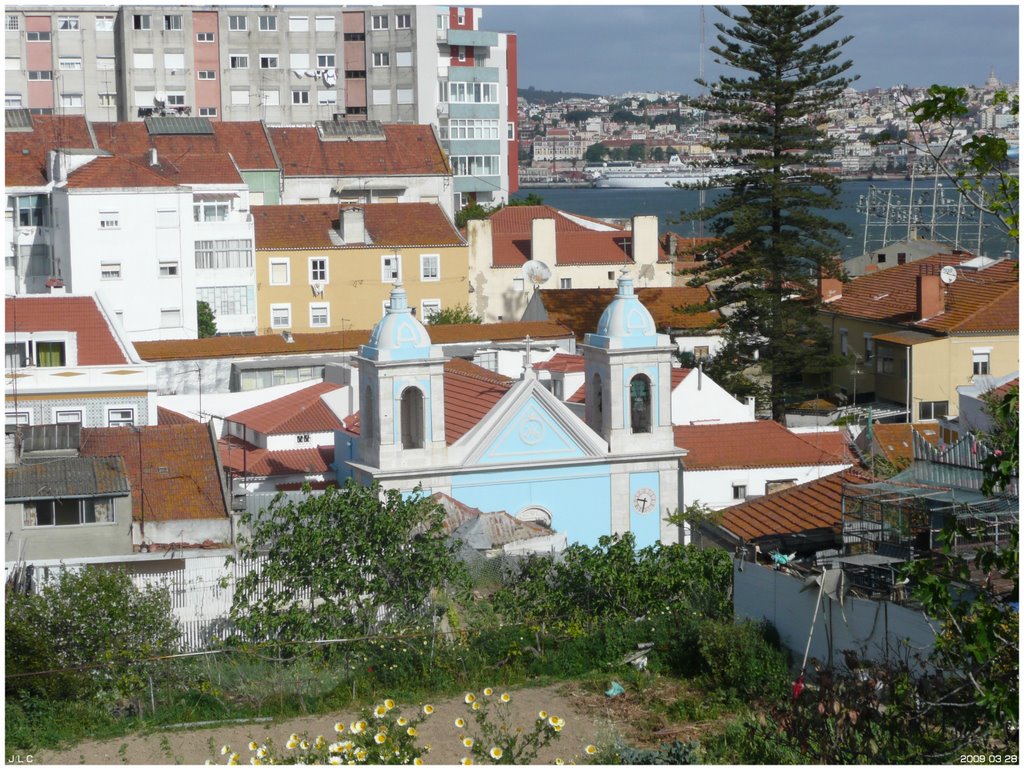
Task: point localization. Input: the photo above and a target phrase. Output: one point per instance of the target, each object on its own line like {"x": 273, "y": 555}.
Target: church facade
{"x": 499, "y": 444}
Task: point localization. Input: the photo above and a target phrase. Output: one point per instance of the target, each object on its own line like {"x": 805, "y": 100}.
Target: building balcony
{"x": 472, "y": 37}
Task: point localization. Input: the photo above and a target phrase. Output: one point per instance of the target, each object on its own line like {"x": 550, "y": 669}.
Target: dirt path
{"x": 192, "y": 746}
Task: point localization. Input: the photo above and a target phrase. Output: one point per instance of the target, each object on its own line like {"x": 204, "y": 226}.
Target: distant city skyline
{"x": 613, "y": 49}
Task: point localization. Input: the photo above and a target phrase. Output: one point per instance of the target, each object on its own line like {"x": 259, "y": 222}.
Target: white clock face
{"x": 644, "y": 500}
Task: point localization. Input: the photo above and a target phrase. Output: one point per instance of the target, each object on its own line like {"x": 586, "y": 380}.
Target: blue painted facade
{"x": 532, "y": 436}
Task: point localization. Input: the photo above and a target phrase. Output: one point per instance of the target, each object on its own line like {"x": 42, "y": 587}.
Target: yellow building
{"x": 912, "y": 334}
{"x": 332, "y": 267}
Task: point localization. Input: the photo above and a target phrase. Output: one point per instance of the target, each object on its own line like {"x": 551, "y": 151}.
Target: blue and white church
{"x": 498, "y": 444}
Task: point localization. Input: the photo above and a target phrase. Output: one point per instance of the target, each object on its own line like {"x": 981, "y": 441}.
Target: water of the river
{"x": 670, "y": 206}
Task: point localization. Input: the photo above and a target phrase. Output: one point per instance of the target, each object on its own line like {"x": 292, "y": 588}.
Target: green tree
{"x": 595, "y": 153}
{"x": 658, "y": 154}
{"x": 1002, "y": 464}
{"x": 636, "y": 151}
{"x": 473, "y": 210}
{"x": 771, "y": 217}
{"x": 454, "y": 314}
{"x": 531, "y": 199}
{"x": 348, "y": 561}
{"x": 205, "y": 319}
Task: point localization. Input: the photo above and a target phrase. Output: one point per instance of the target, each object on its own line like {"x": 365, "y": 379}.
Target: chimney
{"x": 480, "y": 234}
{"x": 153, "y": 159}
{"x": 829, "y": 289}
{"x": 645, "y": 239}
{"x": 673, "y": 244}
{"x": 542, "y": 238}
{"x": 351, "y": 225}
{"x": 930, "y": 300}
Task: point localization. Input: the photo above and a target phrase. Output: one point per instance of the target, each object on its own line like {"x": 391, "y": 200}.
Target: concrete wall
{"x": 875, "y": 630}
{"x": 70, "y": 541}
{"x": 714, "y": 487}
{"x": 699, "y": 400}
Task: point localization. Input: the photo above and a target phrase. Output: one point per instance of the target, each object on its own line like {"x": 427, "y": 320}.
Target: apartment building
{"x": 281, "y": 65}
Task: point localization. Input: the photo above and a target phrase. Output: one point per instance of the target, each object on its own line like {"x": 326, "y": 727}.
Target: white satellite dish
{"x": 159, "y": 98}
{"x": 536, "y": 272}
{"x": 947, "y": 274}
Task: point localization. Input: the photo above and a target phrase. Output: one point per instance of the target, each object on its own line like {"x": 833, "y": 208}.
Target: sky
{"x": 613, "y": 49}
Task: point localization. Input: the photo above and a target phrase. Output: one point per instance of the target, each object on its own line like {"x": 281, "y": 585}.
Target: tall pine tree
{"x": 774, "y": 236}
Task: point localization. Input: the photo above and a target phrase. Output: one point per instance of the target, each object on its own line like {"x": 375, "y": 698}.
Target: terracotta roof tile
{"x": 97, "y": 345}
{"x": 815, "y": 504}
{"x": 246, "y": 141}
{"x": 679, "y": 373}
{"x": 25, "y": 151}
{"x": 240, "y": 457}
{"x": 561, "y": 362}
{"x": 166, "y": 416}
{"x": 579, "y": 397}
{"x": 581, "y": 309}
{"x": 894, "y": 441}
{"x": 300, "y": 412}
{"x": 174, "y": 467}
{"x": 406, "y": 150}
{"x": 978, "y": 301}
{"x": 758, "y": 444}
{"x": 519, "y": 220}
{"x": 1000, "y": 392}
{"x": 387, "y": 225}
{"x": 335, "y": 342}
{"x": 117, "y": 172}
{"x": 834, "y": 444}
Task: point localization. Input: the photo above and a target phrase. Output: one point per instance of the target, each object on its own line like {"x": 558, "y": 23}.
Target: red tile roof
{"x": 166, "y": 416}
{"x": 333, "y": 342}
{"x": 1000, "y": 392}
{"x": 561, "y": 362}
{"x": 834, "y": 444}
{"x": 25, "y": 151}
{"x": 758, "y": 444}
{"x": 579, "y": 397}
{"x": 174, "y": 467}
{"x": 300, "y": 412}
{"x": 679, "y": 374}
{"x": 895, "y": 441}
{"x": 470, "y": 392}
{"x": 581, "y": 309}
{"x": 978, "y": 301}
{"x": 406, "y": 150}
{"x": 518, "y": 220}
{"x": 246, "y": 141}
{"x": 97, "y": 345}
{"x": 815, "y": 504}
{"x": 116, "y": 172}
{"x": 241, "y": 457}
{"x": 387, "y": 224}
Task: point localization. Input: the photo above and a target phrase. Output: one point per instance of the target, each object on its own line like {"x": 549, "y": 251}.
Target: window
{"x": 318, "y": 269}
{"x": 67, "y": 23}
{"x": 869, "y": 348}
{"x": 881, "y": 259}
{"x": 885, "y": 363}
{"x": 381, "y": 58}
{"x": 319, "y": 315}
{"x": 511, "y": 131}
{"x": 71, "y": 100}
{"x": 430, "y": 267}
{"x": 12, "y": 63}
{"x": 479, "y": 93}
{"x": 268, "y": 61}
{"x": 298, "y": 24}
{"x": 565, "y": 283}
{"x": 980, "y": 359}
{"x": 228, "y": 300}
{"x": 412, "y": 418}
{"x": 18, "y": 418}
{"x": 326, "y": 97}
{"x": 464, "y": 128}
{"x": 109, "y": 220}
{"x": 31, "y": 210}
{"x": 640, "y": 404}
{"x": 170, "y": 318}
{"x": 68, "y": 416}
{"x": 403, "y": 58}
{"x": 38, "y": 37}
{"x": 12, "y": 100}
{"x": 168, "y": 269}
{"x": 68, "y": 512}
{"x": 461, "y": 17}
{"x": 104, "y": 23}
{"x": 110, "y": 271}
{"x": 739, "y": 491}
{"x": 378, "y": 21}
{"x": 355, "y": 75}
{"x": 701, "y": 352}
{"x": 238, "y": 61}
{"x": 597, "y": 397}
{"x": 69, "y": 63}
{"x": 50, "y": 354}
{"x": 207, "y": 74}
{"x": 429, "y": 308}
{"x": 518, "y": 284}
{"x": 120, "y": 416}
{"x": 325, "y": 60}
{"x": 382, "y": 96}
{"x": 477, "y": 165}
{"x": 140, "y": 21}
{"x": 844, "y": 342}
{"x": 442, "y": 21}
{"x": 40, "y": 74}
{"x": 404, "y": 96}
{"x": 15, "y": 355}
{"x": 223, "y": 254}
{"x": 391, "y": 268}
{"x": 176, "y": 99}
{"x": 208, "y": 211}
{"x": 174, "y": 61}
{"x": 268, "y": 24}
{"x": 771, "y": 487}
{"x": 13, "y": 22}
{"x": 238, "y": 23}
{"x": 270, "y": 98}
{"x": 354, "y": 37}
{"x": 462, "y": 52}
{"x": 207, "y": 112}
{"x": 933, "y": 410}
{"x": 205, "y": 37}
{"x": 104, "y": 62}
{"x": 325, "y": 24}
{"x": 298, "y": 61}
{"x": 172, "y": 21}
{"x": 239, "y": 96}
{"x": 280, "y": 316}
{"x": 279, "y": 272}
{"x": 142, "y": 60}
{"x": 300, "y": 96}
{"x": 901, "y": 258}
{"x": 403, "y": 21}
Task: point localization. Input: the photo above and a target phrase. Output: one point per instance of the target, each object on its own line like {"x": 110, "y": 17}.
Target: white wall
{"x": 713, "y": 488}
{"x": 699, "y": 400}
{"x": 713, "y": 342}
{"x": 430, "y": 189}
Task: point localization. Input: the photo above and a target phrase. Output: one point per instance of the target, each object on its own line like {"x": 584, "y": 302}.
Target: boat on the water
{"x": 674, "y": 172}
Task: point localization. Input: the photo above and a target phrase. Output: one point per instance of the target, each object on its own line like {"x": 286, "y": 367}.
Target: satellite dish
{"x": 947, "y": 274}
{"x": 159, "y": 98}
{"x": 536, "y": 272}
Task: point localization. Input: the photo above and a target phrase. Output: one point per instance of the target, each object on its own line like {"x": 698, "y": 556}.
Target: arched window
{"x": 640, "y": 404}
{"x": 412, "y": 418}
{"x": 598, "y": 396}
{"x": 367, "y": 414}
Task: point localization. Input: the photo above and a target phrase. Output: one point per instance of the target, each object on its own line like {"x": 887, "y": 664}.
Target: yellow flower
{"x": 476, "y": 707}
{"x": 591, "y": 749}
{"x": 380, "y": 711}
{"x": 339, "y": 727}
{"x": 361, "y": 755}
{"x": 255, "y": 761}
{"x": 428, "y": 709}
{"x": 561, "y": 722}
{"x": 467, "y": 742}
{"x": 291, "y": 745}
{"x": 355, "y": 728}
{"x": 233, "y": 759}
{"x": 224, "y": 749}
{"x": 389, "y": 704}
{"x": 470, "y": 697}
{"x": 417, "y": 761}
{"x": 505, "y": 698}
{"x": 261, "y": 752}
{"x": 542, "y": 715}
{"x": 411, "y": 732}
{"x": 488, "y": 691}
{"x": 460, "y": 722}
{"x": 293, "y": 737}
{"x": 319, "y": 743}
{"x": 334, "y": 760}
{"x": 552, "y": 720}
{"x": 467, "y": 761}
{"x": 402, "y": 721}
{"x": 558, "y": 728}
{"x": 253, "y": 746}
{"x": 496, "y": 752}
{"x": 379, "y": 738}
{"x": 304, "y": 745}
{"x": 558, "y": 761}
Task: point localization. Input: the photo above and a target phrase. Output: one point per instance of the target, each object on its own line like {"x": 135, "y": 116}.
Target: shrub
{"x": 675, "y": 753}
{"x": 737, "y": 657}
